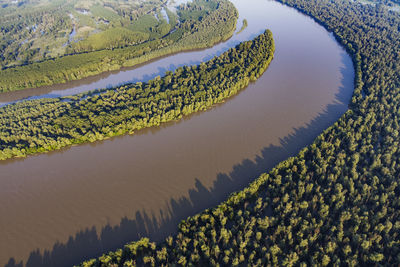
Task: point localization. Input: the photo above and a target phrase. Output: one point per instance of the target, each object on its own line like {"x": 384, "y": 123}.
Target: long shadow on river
{"x": 92, "y": 243}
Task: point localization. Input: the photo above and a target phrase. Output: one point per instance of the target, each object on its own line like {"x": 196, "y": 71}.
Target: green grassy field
{"x": 86, "y": 38}
{"x": 40, "y": 29}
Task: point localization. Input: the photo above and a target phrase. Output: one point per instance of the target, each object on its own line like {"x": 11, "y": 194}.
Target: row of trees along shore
{"x": 219, "y": 25}
{"x": 334, "y": 204}
{"x": 48, "y": 124}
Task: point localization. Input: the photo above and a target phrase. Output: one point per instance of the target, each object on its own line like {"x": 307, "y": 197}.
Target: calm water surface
{"x": 57, "y": 208}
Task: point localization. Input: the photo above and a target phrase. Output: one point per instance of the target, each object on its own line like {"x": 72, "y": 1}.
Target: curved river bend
{"x": 57, "y": 208}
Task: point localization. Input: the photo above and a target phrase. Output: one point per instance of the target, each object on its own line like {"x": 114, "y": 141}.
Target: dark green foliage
{"x": 388, "y": 2}
{"x": 44, "y": 125}
{"x": 337, "y": 202}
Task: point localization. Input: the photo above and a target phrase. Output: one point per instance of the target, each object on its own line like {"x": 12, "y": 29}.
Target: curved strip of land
{"x": 48, "y": 124}
{"x": 244, "y": 26}
{"x": 337, "y": 201}
{"x": 170, "y": 172}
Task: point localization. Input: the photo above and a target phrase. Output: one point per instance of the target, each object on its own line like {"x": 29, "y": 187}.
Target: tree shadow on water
{"x": 91, "y": 243}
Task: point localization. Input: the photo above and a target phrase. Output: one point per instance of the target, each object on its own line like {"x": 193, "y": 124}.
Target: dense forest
{"x": 199, "y": 24}
{"x": 48, "y": 124}
{"x": 337, "y": 202}
{"x": 387, "y": 2}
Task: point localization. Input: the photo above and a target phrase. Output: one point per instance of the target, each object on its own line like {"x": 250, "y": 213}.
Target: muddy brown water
{"x": 59, "y": 208}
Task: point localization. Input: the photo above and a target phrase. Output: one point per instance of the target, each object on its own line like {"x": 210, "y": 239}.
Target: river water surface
{"x": 58, "y": 208}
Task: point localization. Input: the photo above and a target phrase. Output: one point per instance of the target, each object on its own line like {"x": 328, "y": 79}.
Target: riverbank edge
{"x": 9, "y": 153}
{"x": 131, "y": 62}
{"x": 258, "y": 183}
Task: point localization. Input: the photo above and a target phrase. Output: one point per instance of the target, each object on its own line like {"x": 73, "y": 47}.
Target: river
{"x": 56, "y": 209}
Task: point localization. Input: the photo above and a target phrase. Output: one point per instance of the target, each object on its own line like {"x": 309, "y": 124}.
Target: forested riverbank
{"x": 337, "y": 201}
{"x": 202, "y": 25}
{"x": 49, "y": 124}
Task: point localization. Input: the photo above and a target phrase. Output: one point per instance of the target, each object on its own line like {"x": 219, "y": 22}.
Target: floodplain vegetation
{"x": 389, "y": 3}
{"x": 334, "y": 204}
{"x": 100, "y": 36}
{"x": 244, "y": 26}
{"x": 36, "y": 30}
{"x": 48, "y": 124}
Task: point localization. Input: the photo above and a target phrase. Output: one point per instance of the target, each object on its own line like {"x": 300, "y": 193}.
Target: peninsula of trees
{"x": 337, "y": 202}
{"x": 117, "y": 38}
{"x": 244, "y": 26}
{"x": 48, "y": 124}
